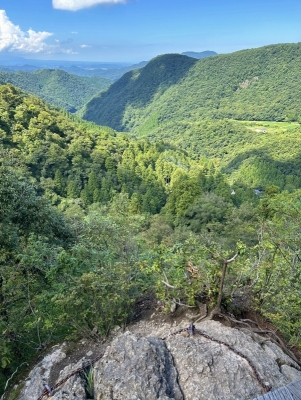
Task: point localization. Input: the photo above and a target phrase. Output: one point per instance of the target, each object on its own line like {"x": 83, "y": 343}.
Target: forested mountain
{"x": 173, "y": 97}
{"x": 256, "y": 153}
{"x": 79, "y": 160}
{"x": 256, "y": 84}
{"x": 92, "y": 220}
{"x": 135, "y": 90}
{"x": 57, "y": 87}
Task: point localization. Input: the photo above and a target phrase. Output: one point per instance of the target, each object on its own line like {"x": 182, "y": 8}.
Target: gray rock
{"x": 73, "y": 388}
{"x": 33, "y": 386}
{"x": 138, "y": 365}
{"x": 277, "y": 354}
{"x": 290, "y": 373}
{"x": 136, "y": 368}
{"x": 210, "y": 370}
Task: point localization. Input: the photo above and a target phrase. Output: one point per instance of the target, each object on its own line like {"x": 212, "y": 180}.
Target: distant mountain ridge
{"x": 112, "y": 71}
{"x": 199, "y": 55}
{"x": 57, "y": 87}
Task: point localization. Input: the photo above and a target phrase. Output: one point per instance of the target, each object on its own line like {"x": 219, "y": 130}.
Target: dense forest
{"x": 93, "y": 220}
{"x": 257, "y": 84}
{"x": 57, "y": 87}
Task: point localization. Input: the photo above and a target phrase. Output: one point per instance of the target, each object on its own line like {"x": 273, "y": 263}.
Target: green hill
{"x": 123, "y": 103}
{"x": 256, "y": 84}
{"x": 93, "y": 221}
{"x": 57, "y": 87}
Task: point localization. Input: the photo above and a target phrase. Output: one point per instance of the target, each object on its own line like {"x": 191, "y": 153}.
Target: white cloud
{"x": 13, "y": 38}
{"x": 74, "y": 5}
{"x": 69, "y": 51}
{"x": 84, "y": 46}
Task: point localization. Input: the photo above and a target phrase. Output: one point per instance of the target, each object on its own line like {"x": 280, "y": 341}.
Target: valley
{"x": 115, "y": 192}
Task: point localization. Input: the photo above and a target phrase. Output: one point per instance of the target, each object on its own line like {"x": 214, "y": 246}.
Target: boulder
{"x": 154, "y": 360}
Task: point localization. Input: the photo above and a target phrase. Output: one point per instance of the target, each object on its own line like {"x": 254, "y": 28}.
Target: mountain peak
{"x": 199, "y": 55}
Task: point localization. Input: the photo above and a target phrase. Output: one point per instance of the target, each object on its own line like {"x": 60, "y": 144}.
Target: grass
{"x": 89, "y": 377}
{"x": 269, "y": 126}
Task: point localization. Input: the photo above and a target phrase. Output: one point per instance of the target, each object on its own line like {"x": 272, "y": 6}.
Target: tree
{"x": 278, "y": 266}
{"x": 209, "y": 212}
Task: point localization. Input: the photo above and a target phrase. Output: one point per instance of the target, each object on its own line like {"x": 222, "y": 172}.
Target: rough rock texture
{"x": 138, "y": 365}
{"x": 209, "y": 370}
{"x": 33, "y": 386}
{"x": 74, "y": 388}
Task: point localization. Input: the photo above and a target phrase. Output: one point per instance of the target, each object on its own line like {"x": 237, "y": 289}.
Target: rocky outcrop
{"x": 218, "y": 363}
{"x": 40, "y": 375}
{"x": 136, "y": 367}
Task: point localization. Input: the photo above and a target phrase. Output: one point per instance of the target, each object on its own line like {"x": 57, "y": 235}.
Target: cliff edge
{"x": 157, "y": 360}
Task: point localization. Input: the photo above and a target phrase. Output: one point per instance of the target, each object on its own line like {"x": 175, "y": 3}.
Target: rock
{"x": 290, "y": 373}
{"x": 33, "y": 386}
{"x": 277, "y": 354}
{"x": 136, "y": 367}
{"x": 173, "y": 307}
{"x": 74, "y": 388}
{"x": 221, "y": 363}
{"x": 210, "y": 370}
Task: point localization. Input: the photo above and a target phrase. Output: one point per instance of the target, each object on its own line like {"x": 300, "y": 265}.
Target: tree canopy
{"x": 92, "y": 220}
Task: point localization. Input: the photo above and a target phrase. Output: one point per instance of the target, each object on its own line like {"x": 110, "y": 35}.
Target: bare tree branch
{"x": 2, "y": 397}
{"x": 167, "y": 283}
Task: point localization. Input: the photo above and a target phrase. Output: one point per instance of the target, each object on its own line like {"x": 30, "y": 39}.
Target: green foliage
{"x": 278, "y": 266}
{"x": 135, "y": 89}
{"x": 198, "y": 108}
{"x": 190, "y": 270}
{"x": 57, "y": 87}
{"x": 89, "y": 378}
{"x": 207, "y": 212}
{"x": 257, "y": 84}
{"x": 91, "y": 219}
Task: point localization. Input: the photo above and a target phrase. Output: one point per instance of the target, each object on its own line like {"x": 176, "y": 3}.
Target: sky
{"x": 138, "y": 30}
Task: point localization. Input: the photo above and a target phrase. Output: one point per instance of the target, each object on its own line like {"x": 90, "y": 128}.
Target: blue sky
{"x": 138, "y": 30}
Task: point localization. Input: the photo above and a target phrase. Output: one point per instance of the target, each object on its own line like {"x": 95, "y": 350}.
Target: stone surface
{"x": 33, "y": 386}
{"x": 209, "y": 370}
{"x": 290, "y": 373}
{"x": 136, "y": 367}
{"x": 74, "y": 388}
{"x": 139, "y": 365}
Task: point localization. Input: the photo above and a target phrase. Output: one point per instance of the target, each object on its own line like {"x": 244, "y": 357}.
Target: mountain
{"x": 256, "y": 84}
{"x": 57, "y": 87}
{"x": 136, "y": 90}
{"x": 199, "y": 55}
{"x": 97, "y": 226}
{"x": 112, "y": 71}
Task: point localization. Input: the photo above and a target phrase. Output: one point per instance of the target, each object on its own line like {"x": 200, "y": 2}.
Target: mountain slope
{"x": 57, "y": 87}
{"x": 256, "y": 84}
{"x": 137, "y": 89}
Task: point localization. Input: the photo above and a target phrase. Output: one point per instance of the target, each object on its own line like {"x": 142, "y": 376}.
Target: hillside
{"x": 135, "y": 90}
{"x": 256, "y": 84}
{"x": 256, "y": 153}
{"x": 94, "y": 222}
{"x": 57, "y": 87}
